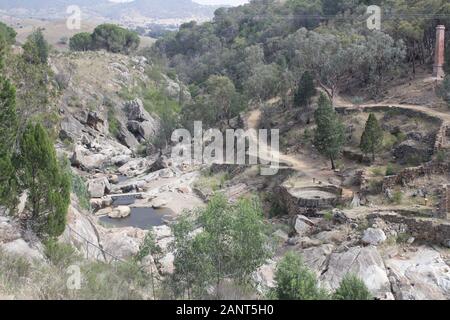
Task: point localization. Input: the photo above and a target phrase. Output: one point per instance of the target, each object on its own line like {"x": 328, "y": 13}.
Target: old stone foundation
{"x": 410, "y": 174}
{"x": 423, "y": 229}
{"x": 310, "y": 198}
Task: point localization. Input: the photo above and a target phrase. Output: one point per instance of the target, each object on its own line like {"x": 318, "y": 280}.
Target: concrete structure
{"x": 438, "y": 67}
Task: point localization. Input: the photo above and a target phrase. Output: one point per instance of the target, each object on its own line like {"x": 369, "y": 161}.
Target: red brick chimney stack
{"x": 438, "y": 68}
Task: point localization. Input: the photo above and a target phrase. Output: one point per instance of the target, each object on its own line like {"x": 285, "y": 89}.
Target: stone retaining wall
{"x": 428, "y": 230}
{"x": 410, "y": 174}
{"x": 296, "y": 205}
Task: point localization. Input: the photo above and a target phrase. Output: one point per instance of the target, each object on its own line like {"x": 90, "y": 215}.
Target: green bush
{"x": 36, "y": 49}
{"x": 60, "y": 254}
{"x": 113, "y": 123}
{"x": 81, "y": 42}
{"x": 45, "y": 179}
{"x": 352, "y": 288}
{"x": 149, "y": 246}
{"x": 78, "y": 184}
{"x": 391, "y": 170}
{"x": 328, "y": 215}
{"x": 277, "y": 207}
{"x": 109, "y": 37}
{"x": 7, "y": 33}
{"x": 115, "y": 39}
{"x": 294, "y": 281}
{"x": 397, "y": 197}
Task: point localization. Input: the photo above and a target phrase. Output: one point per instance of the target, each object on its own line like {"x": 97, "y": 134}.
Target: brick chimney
{"x": 438, "y": 67}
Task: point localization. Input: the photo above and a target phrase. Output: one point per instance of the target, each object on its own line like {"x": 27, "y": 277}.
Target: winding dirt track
{"x": 308, "y": 166}
{"x": 305, "y": 165}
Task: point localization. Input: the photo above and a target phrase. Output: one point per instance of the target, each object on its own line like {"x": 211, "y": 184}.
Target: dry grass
{"x": 21, "y": 279}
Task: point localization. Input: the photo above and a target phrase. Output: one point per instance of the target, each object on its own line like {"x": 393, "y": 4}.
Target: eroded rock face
{"x": 95, "y": 120}
{"x": 136, "y": 111}
{"x": 79, "y": 230}
{"x": 144, "y": 130}
{"x": 366, "y": 263}
{"x": 420, "y": 275}
{"x": 373, "y": 236}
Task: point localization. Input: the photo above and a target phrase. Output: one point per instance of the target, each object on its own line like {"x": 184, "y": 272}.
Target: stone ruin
{"x": 444, "y": 203}
{"x": 310, "y": 199}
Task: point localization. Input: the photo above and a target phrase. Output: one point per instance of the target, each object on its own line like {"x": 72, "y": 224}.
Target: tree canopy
{"x": 47, "y": 185}
{"x": 372, "y": 137}
{"x": 294, "y": 281}
{"x": 231, "y": 244}
{"x": 329, "y": 134}
{"x": 109, "y": 37}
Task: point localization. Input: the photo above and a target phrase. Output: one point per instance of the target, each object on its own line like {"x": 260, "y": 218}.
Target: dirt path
{"x": 305, "y": 165}
{"x": 445, "y": 117}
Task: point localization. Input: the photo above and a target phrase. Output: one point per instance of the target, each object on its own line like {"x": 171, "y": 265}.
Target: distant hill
{"x": 153, "y": 9}
{"x": 163, "y": 8}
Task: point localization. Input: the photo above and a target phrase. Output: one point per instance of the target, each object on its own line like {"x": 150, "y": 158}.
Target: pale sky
{"x": 211, "y": 2}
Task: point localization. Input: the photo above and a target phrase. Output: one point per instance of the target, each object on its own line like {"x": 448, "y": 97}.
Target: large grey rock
{"x": 135, "y": 111}
{"x": 80, "y": 231}
{"x": 9, "y": 230}
{"x": 120, "y": 160}
{"x": 127, "y": 138}
{"x": 95, "y": 120}
{"x": 143, "y": 131}
{"x": 123, "y": 243}
{"x": 264, "y": 277}
{"x": 22, "y": 249}
{"x": 420, "y": 275}
{"x": 303, "y": 225}
{"x": 120, "y": 212}
{"x": 316, "y": 257}
{"x": 99, "y": 187}
{"x": 85, "y": 160}
{"x": 71, "y": 129}
{"x": 167, "y": 264}
{"x": 373, "y": 236}
{"x": 134, "y": 167}
{"x": 364, "y": 262}
{"x": 159, "y": 202}
{"x": 160, "y": 163}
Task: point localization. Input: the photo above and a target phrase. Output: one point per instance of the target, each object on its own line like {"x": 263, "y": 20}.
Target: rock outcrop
{"x": 366, "y": 263}
{"x": 140, "y": 123}
{"x": 373, "y": 236}
{"x": 99, "y": 187}
{"x": 419, "y": 275}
